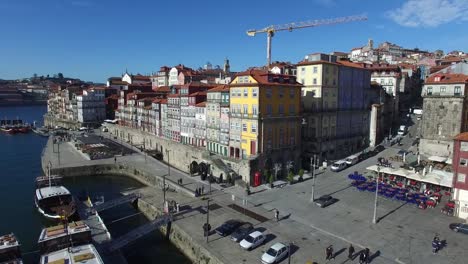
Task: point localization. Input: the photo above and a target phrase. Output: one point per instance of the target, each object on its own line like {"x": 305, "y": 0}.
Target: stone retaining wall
{"x": 120, "y": 169}
{"x": 183, "y": 241}
{"x": 180, "y": 155}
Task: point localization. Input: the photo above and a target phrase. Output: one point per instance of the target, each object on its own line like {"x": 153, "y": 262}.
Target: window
{"x": 382, "y": 81}
{"x": 326, "y": 69}
{"x": 246, "y": 109}
{"x": 244, "y": 127}
{"x": 457, "y": 90}
{"x": 302, "y": 81}
{"x": 315, "y": 69}
{"x": 314, "y": 81}
{"x": 291, "y": 93}
{"x": 292, "y": 109}
{"x": 268, "y": 92}
{"x": 429, "y": 90}
{"x": 281, "y": 92}
{"x": 463, "y": 162}
{"x": 461, "y": 177}
{"x": 443, "y": 89}
{"x": 281, "y": 109}
{"x": 253, "y": 128}
{"x": 255, "y": 109}
{"x": 269, "y": 109}
{"x": 254, "y": 92}
{"x": 246, "y": 92}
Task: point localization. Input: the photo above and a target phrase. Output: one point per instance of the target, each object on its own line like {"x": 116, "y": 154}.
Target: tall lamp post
{"x": 312, "y": 169}
{"x": 374, "y": 220}
{"x": 164, "y": 177}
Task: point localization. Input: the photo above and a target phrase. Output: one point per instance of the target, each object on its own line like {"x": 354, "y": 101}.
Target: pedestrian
{"x": 362, "y": 257}
{"x": 350, "y": 252}
{"x": 276, "y": 215}
{"x": 181, "y": 181}
{"x": 115, "y": 159}
{"x": 367, "y": 258}
{"x": 203, "y": 189}
{"x": 329, "y": 252}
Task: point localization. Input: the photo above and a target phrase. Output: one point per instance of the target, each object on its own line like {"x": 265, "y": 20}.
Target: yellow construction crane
{"x": 270, "y": 30}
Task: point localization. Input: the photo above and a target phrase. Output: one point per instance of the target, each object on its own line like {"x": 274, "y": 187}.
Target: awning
{"x": 436, "y": 177}
{"x": 437, "y": 159}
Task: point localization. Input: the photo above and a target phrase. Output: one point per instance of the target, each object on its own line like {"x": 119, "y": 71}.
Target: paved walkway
{"x": 403, "y": 234}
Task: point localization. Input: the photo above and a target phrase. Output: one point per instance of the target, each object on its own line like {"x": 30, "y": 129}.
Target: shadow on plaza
{"x": 340, "y": 190}
{"x": 391, "y": 212}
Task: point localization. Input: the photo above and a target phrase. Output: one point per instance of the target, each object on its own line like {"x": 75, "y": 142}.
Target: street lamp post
{"x": 374, "y": 220}
{"x": 207, "y": 219}
{"x": 312, "y": 169}
{"x": 164, "y": 177}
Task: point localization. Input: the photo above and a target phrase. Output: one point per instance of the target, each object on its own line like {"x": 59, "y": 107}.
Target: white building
{"x": 91, "y": 106}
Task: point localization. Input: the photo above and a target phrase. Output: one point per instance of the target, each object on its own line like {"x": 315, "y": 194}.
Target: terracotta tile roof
{"x": 118, "y": 82}
{"x": 113, "y": 96}
{"x": 220, "y": 88}
{"x": 451, "y": 59}
{"x": 437, "y": 68}
{"x": 173, "y": 95}
{"x": 462, "y": 136}
{"x": 198, "y": 93}
{"x": 162, "y": 89}
{"x": 305, "y": 63}
{"x": 447, "y": 78}
{"x": 202, "y": 104}
{"x": 266, "y": 78}
{"x": 350, "y": 64}
{"x": 140, "y": 77}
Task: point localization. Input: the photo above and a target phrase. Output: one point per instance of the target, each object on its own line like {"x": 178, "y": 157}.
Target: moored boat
{"x": 10, "y": 249}
{"x": 63, "y": 236}
{"x": 53, "y": 200}
{"x": 76, "y": 254}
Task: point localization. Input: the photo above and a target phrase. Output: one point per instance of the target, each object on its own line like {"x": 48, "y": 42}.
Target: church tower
{"x": 226, "y": 67}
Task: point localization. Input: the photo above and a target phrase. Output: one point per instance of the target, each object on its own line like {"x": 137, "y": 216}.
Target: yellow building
{"x": 265, "y": 118}
{"x": 319, "y": 75}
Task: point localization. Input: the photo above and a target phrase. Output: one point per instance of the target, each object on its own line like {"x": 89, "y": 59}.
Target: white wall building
{"x": 91, "y": 106}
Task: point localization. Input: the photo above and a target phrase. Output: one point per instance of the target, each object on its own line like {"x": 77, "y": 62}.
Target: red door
{"x": 253, "y": 149}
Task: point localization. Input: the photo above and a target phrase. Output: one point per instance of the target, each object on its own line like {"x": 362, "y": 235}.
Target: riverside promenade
{"x": 403, "y": 235}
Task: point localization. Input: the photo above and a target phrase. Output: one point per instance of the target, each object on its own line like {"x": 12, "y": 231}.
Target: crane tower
{"x": 271, "y": 30}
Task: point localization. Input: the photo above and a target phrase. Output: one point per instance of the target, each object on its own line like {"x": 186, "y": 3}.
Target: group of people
{"x": 199, "y": 191}
{"x": 363, "y": 254}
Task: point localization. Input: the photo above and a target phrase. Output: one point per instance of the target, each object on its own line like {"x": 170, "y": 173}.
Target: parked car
{"x": 325, "y": 201}
{"x": 402, "y": 130}
{"x": 379, "y": 149}
{"x": 228, "y": 227}
{"x": 339, "y": 166}
{"x": 402, "y": 152}
{"x": 242, "y": 232}
{"x": 459, "y": 227}
{"x": 351, "y": 160}
{"x": 275, "y": 253}
{"x": 253, "y": 240}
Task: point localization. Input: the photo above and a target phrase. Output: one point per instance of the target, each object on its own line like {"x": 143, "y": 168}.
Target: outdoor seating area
{"x": 391, "y": 187}
{"x": 100, "y": 148}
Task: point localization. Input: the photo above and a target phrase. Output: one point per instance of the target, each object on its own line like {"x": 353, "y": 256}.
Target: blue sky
{"x": 95, "y": 39}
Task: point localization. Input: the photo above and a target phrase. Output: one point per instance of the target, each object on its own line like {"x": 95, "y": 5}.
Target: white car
{"x": 339, "y": 165}
{"x": 253, "y": 240}
{"x": 275, "y": 253}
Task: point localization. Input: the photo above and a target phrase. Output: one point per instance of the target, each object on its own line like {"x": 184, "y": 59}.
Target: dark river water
{"x": 20, "y": 163}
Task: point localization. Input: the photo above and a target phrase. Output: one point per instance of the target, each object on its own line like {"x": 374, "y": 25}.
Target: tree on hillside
{"x": 60, "y": 75}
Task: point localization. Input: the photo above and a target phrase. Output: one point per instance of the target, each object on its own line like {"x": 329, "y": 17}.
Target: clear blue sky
{"x": 95, "y": 39}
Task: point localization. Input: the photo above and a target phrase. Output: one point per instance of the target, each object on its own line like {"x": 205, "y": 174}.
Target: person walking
{"x": 329, "y": 252}
{"x": 276, "y": 215}
{"x": 367, "y": 258}
{"x": 203, "y": 189}
{"x": 115, "y": 159}
{"x": 362, "y": 257}
{"x": 350, "y": 252}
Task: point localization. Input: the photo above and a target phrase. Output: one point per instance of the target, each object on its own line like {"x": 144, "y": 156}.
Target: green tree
{"x": 60, "y": 75}
{"x": 290, "y": 177}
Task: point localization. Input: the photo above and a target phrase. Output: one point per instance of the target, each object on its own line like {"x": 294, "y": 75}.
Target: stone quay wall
{"x": 180, "y": 155}
{"x": 119, "y": 169}
{"x": 183, "y": 241}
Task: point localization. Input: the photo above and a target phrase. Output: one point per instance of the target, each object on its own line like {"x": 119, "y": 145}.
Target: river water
{"x": 20, "y": 163}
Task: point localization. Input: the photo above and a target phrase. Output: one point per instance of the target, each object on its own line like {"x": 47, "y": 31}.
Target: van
{"x": 351, "y": 160}
{"x": 339, "y": 166}
{"x": 402, "y": 130}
